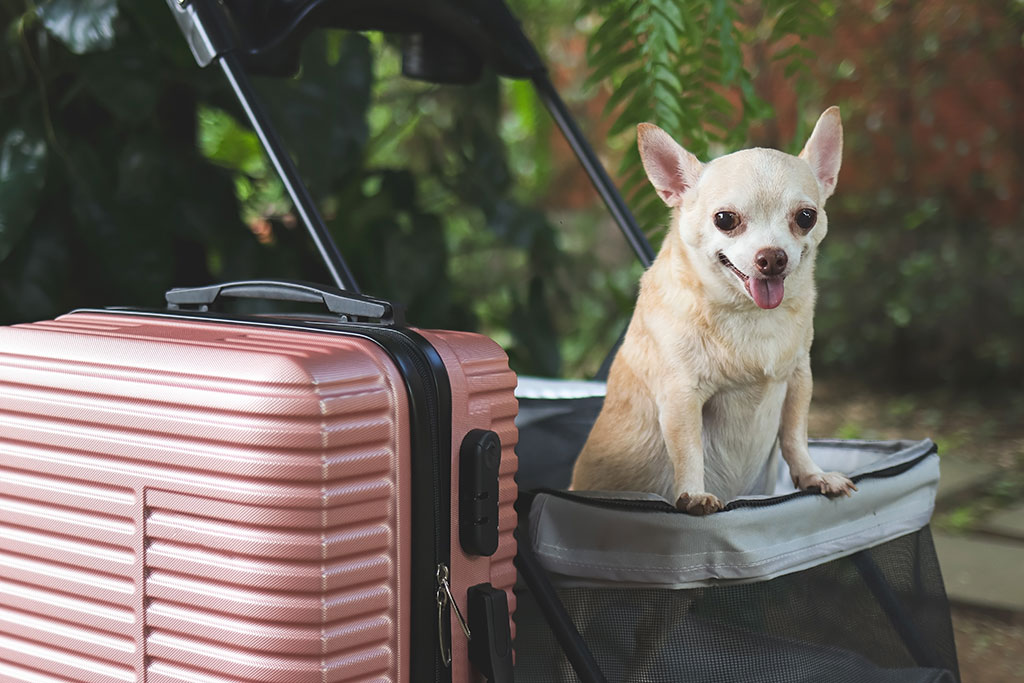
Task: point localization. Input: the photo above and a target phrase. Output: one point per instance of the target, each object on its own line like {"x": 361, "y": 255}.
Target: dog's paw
{"x": 699, "y": 503}
{"x": 831, "y": 484}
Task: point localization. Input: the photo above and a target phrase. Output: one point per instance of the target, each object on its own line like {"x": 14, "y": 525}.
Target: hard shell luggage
{"x": 191, "y": 496}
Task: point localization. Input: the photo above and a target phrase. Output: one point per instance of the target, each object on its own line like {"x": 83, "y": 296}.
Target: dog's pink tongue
{"x": 767, "y": 293}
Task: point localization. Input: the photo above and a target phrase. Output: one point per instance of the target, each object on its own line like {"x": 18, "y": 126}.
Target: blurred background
{"x": 126, "y": 170}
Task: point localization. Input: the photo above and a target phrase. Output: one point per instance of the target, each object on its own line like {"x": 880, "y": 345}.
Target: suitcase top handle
{"x": 348, "y": 304}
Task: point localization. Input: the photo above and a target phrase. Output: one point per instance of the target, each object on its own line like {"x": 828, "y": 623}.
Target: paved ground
{"x": 983, "y": 570}
{"x": 985, "y": 567}
{"x": 1008, "y": 523}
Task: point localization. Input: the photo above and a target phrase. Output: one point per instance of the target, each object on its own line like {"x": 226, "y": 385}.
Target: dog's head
{"x": 753, "y": 218}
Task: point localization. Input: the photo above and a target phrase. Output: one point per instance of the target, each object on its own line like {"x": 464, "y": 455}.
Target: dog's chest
{"x": 755, "y": 350}
{"x": 740, "y": 426}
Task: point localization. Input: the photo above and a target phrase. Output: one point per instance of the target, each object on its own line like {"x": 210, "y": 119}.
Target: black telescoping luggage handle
{"x": 352, "y": 306}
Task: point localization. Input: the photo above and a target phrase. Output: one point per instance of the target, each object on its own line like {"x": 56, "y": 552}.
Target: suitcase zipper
{"x": 445, "y": 598}
{"x": 431, "y": 376}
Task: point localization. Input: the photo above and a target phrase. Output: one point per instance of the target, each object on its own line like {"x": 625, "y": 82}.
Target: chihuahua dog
{"x": 714, "y": 374}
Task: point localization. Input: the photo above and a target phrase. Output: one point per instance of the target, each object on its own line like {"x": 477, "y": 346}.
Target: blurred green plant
{"x": 1006, "y": 491}
{"x": 125, "y": 170}
{"x": 936, "y": 303}
{"x": 103, "y": 196}
{"x": 851, "y": 430}
{"x": 919, "y": 279}
{"x": 959, "y": 520}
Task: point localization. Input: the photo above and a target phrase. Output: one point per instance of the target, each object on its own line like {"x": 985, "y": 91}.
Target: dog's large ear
{"x": 671, "y": 169}
{"x": 824, "y": 150}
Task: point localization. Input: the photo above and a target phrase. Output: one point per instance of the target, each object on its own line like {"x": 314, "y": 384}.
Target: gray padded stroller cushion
{"x": 583, "y": 540}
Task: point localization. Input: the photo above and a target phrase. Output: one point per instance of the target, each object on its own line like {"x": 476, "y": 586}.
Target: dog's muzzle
{"x": 767, "y": 292}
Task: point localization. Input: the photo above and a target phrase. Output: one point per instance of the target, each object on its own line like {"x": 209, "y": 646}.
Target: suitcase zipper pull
{"x": 444, "y": 598}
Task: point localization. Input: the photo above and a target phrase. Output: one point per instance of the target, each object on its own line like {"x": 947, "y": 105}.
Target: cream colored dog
{"x": 714, "y": 372}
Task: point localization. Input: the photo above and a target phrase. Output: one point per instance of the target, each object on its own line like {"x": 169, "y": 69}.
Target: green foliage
{"x": 22, "y": 173}
{"x": 503, "y": 257}
{"x": 104, "y": 200}
{"x": 224, "y": 141}
{"x": 680, "y": 64}
{"x": 81, "y": 25}
{"x": 919, "y": 278}
{"x": 850, "y": 430}
{"x": 1007, "y": 490}
{"x": 960, "y": 520}
{"x": 126, "y": 170}
{"x": 921, "y": 301}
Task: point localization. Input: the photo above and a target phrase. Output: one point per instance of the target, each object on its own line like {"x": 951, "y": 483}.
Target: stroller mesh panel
{"x": 880, "y": 615}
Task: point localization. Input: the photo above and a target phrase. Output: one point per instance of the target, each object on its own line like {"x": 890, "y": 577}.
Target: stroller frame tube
{"x": 562, "y": 627}
{"x": 289, "y": 174}
{"x": 594, "y": 168}
{"x": 901, "y": 622}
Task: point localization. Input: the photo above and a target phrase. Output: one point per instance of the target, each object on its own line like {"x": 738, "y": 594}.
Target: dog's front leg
{"x": 793, "y": 435}
{"x": 680, "y": 421}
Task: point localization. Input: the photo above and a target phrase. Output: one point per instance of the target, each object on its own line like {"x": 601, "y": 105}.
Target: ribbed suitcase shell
{"x": 204, "y": 501}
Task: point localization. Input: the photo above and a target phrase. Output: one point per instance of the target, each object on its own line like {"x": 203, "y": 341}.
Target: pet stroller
{"x": 787, "y": 587}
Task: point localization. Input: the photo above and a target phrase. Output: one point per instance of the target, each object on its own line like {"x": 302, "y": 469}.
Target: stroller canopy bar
{"x": 449, "y": 40}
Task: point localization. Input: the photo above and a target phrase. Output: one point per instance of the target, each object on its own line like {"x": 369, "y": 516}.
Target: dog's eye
{"x": 726, "y": 221}
{"x": 806, "y": 218}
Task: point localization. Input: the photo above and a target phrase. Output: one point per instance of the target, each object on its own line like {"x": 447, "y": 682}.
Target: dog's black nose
{"x": 771, "y": 262}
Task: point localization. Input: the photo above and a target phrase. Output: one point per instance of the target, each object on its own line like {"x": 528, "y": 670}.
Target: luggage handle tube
{"x": 336, "y": 301}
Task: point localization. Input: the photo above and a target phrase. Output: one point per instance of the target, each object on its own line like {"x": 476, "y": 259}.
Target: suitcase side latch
{"x": 490, "y": 650}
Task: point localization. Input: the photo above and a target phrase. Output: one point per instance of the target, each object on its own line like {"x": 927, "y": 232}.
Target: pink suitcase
{"x": 186, "y": 496}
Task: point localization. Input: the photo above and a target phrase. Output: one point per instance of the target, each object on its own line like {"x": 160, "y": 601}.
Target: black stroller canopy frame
{"x": 268, "y": 32}
{"x": 447, "y": 41}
